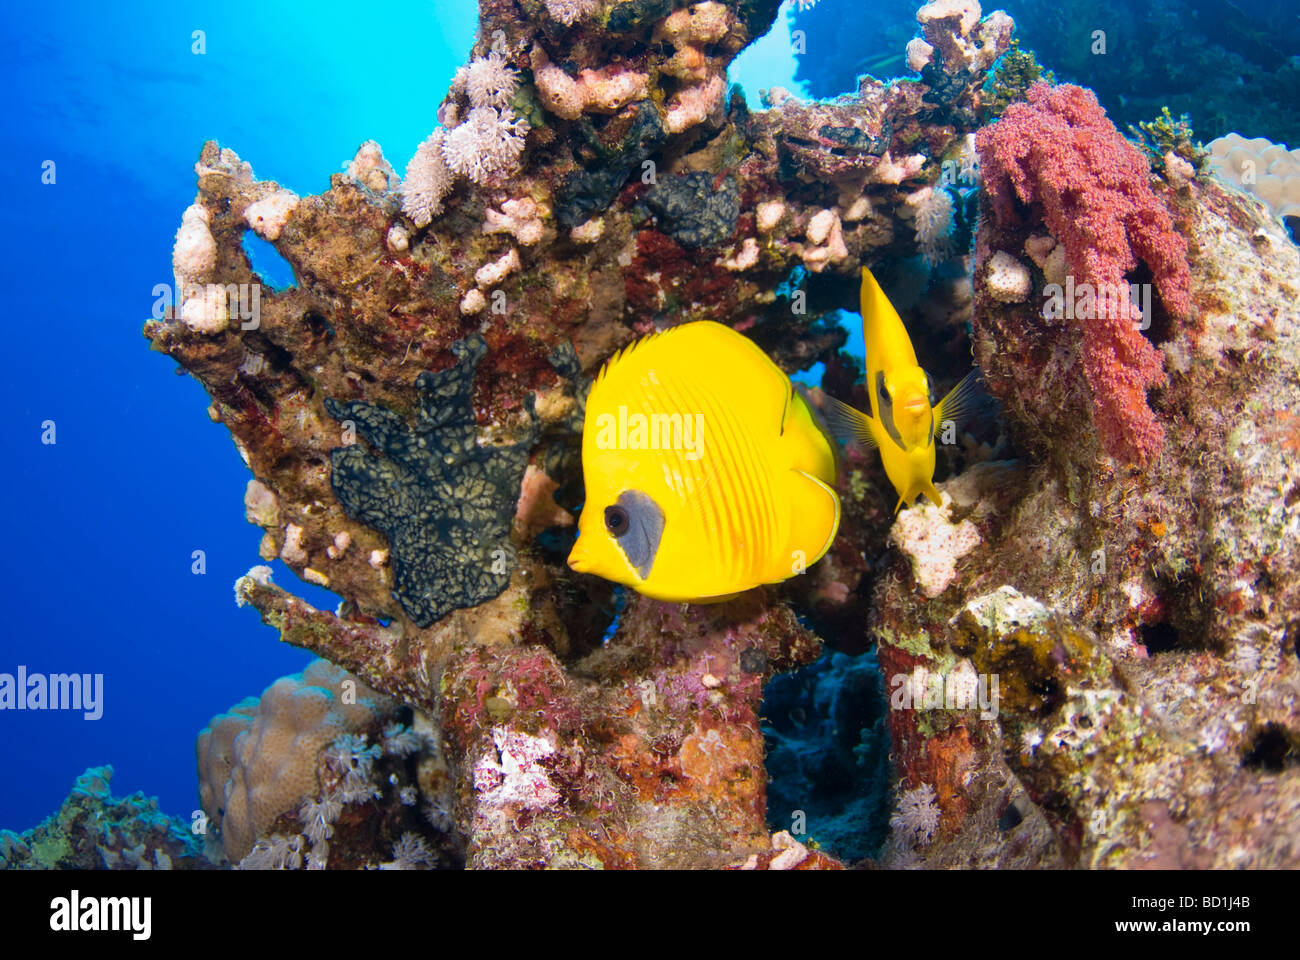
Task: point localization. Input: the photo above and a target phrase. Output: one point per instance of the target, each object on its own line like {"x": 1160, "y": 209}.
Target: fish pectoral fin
{"x": 959, "y": 403}
{"x": 848, "y": 424}
{"x": 815, "y": 520}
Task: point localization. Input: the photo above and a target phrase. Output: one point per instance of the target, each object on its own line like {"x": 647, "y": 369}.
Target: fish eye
{"x": 616, "y": 520}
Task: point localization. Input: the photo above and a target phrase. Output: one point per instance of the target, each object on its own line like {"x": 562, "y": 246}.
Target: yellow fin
{"x": 959, "y": 403}
{"x": 808, "y": 446}
{"x": 817, "y": 518}
{"x": 848, "y": 424}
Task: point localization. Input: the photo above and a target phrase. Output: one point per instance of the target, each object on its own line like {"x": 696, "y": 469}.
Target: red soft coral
{"x": 1059, "y": 155}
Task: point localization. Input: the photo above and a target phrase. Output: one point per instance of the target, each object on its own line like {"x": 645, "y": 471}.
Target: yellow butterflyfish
{"x": 904, "y": 419}
{"x": 706, "y": 472}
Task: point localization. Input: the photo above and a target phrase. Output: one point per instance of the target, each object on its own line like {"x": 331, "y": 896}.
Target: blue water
{"x": 102, "y": 525}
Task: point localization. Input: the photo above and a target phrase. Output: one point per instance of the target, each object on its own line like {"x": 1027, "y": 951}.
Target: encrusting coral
{"x": 443, "y": 502}
{"x": 410, "y": 412}
{"x": 281, "y": 775}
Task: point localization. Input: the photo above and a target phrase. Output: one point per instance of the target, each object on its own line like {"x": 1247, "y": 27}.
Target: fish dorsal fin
{"x": 623, "y": 354}
{"x": 887, "y": 343}
{"x": 959, "y": 403}
{"x": 848, "y": 424}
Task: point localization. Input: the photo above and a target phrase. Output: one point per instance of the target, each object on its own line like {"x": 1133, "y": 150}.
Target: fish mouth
{"x": 579, "y": 561}
{"x": 914, "y": 406}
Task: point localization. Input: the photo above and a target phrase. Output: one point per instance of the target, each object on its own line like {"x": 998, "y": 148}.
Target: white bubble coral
{"x": 487, "y": 143}
{"x": 195, "y": 251}
{"x": 490, "y": 81}
{"x": 694, "y": 104}
{"x": 826, "y": 236}
{"x": 607, "y": 90}
{"x": 493, "y": 273}
{"x": 268, "y": 216}
{"x": 521, "y": 218}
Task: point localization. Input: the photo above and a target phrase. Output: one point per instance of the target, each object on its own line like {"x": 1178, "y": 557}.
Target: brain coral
{"x": 259, "y": 760}
{"x": 1266, "y": 169}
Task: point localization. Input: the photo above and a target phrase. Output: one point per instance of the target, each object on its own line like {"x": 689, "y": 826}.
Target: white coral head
{"x": 488, "y": 142}
{"x": 428, "y": 180}
{"x": 491, "y": 82}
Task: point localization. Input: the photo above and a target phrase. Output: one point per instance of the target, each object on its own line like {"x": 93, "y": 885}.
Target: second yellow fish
{"x": 706, "y": 472}
{"x": 904, "y": 419}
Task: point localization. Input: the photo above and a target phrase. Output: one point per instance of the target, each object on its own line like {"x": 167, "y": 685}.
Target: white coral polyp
{"x": 934, "y": 218}
{"x": 569, "y": 12}
{"x": 428, "y": 181}
{"x": 491, "y": 82}
{"x": 487, "y": 143}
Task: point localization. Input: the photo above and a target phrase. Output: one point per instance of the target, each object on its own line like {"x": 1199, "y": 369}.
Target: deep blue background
{"x": 100, "y": 527}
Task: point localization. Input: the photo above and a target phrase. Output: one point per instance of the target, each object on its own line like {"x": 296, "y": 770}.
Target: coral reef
{"x": 410, "y": 411}
{"x": 291, "y": 780}
{"x": 258, "y": 760}
{"x": 94, "y": 830}
{"x": 1268, "y": 170}
{"x": 1139, "y": 621}
{"x": 1194, "y": 56}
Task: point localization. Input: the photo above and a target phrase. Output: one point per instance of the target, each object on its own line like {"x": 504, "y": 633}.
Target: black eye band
{"x": 637, "y": 525}
{"x": 886, "y": 406}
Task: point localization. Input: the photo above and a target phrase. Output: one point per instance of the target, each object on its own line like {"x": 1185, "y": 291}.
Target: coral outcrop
{"x": 94, "y": 830}
{"x": 410, "y": 411}
{"x": 1139, "y": 621}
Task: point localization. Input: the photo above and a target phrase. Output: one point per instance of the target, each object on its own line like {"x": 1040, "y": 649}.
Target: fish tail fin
{"x": 815, "y": 519}
{"x": 932, "y": 494}
{"x": 872, "y": 298}
{"x": 959, "y": 403}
